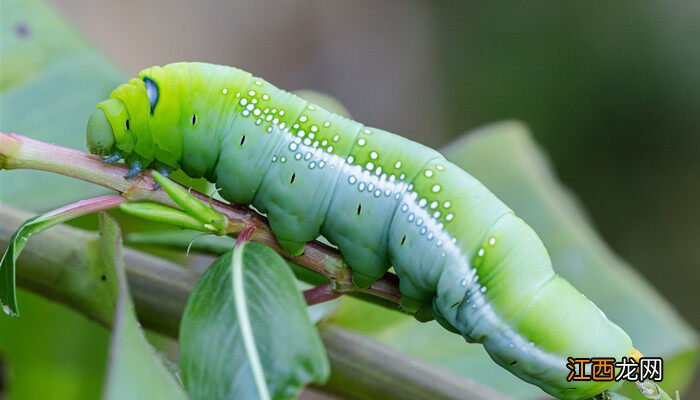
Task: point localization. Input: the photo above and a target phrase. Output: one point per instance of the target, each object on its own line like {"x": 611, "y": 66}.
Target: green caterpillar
{"x": 460, "y": 253}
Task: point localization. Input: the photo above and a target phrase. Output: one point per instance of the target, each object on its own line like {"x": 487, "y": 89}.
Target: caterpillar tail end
{"x": 294, "y": 249}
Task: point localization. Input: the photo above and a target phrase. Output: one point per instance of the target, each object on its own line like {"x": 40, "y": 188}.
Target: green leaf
{"x": 34, "y": 225}
{"x": 164, "y": 214}
{"x": 245, "y": 332}
{"x": 505, "y": 159}
{"x": 213, "y": 220}
{"x": 135, "y": 370}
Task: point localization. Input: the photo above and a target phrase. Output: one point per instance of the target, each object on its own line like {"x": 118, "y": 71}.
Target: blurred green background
{"x": 610, "y": 90}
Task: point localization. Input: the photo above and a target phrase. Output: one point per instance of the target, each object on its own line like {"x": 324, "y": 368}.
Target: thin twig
{"x": 20, "y": 152}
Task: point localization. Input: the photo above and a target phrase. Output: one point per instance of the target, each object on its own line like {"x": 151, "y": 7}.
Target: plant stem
{"x": 360, "y": 366}
{"x": 21, "y": 152}
{"x": 321, "y": 294}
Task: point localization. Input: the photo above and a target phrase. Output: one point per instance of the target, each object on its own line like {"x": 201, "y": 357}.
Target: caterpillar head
{"x": 118, "y": 123}
{"x": 100, "y": 134}
{"x": 128, "y": 125}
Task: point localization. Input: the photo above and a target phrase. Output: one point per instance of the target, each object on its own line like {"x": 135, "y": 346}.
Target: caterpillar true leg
{"x": 134, "y": 169}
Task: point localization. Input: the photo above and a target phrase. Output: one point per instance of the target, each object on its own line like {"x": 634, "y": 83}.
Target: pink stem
{"x": 321, "y": 294}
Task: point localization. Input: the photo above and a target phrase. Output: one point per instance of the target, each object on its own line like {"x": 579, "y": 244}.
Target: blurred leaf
{"x": 39, "y": 223}
{"x": 50, "y": 82}
{"x": 505, "y": 159}
{"x": 246, "y": 322}
{"x": 135, "y": 370}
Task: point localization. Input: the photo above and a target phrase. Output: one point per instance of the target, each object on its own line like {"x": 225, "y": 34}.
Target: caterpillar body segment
{"x": 462, "y": 255}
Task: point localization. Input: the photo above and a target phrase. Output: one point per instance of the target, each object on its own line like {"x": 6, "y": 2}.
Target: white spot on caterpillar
{"x": 361, "y": 142}
{"x": 492, "y": 241}
{"x": 350, "y": 159}
{"x": 397, "y": 196}
{"x": 314, "y": 128}
{"x": 330, "y": 149}
{"x": 430, "y": 236}
{"x": 224, "y": 91}
{"x": 447, "y": 204}
{"x": 265, "y": 97}
{"x": 283, "y": 159}
{"x": 411, "y": 217}
{"x": 312, "y": 165}
{"x": 311, "y": 136}
{"x": 483, "y": 289}
{"x": 251, "y": 93}
{"x": 423, "y": 230}
{"x": 245, "y": 113}
{"x": 243, "y": 101}
{"x": 352, "y": 179}
{"x": 321, "y": 164}
{"x": 398, "y": 164}
{"x": 311, "y": 107}
{"x": 370, "y": 187}
{"x": 402, "y": 176}
{"x": 336, "y": 138}
{"x": 324, "y": 143}
{"x": 307, "y": 157}
{"x": 250, "y": 107}
{"x": 295, "y": 126}
{"x": 480, "y": 253}
{"x": 419, "y": 222}
{"x": 378, "y": 171}
{"x": 392, "y": 178}
{"x": 238, "y": 94}
{"x": 464, "y": 282}
{"x": 297, "y": 156}
{"x": 422, "y": 202}
{"x": 387, "y": 192}
{"x": 268, "y": 118}
{"x": 274, "y": 158}
{"x": 436, "y": 188}
{"x": 269, "y": 129}
{"x": 370, "y": 165}
{"x": 428, "y": 173}
{"x": 439, "y": 167}
{"x": 307, "y": 141}
{"x": 367, "y": 131}
{"x": 258, "y": 83}
{"x": 281, "y": 112}
{"x": 297, "y": 140}
{"x": 436, "y": 214}
{"x": 433, "y": 205}
{"x": 256, "y": 112}
{"x": 281, "y": 125}
{"x": 327, "y": 124}
{"x": 303, "y": 118}
{"x": 293, "y": 146}
{"x": 377, "y": 192}
{"x": 404, "y": 208}
{"x": 373, "y": 155}
{"x": 301, "y": 133}
{"x": 361, "y": 186}
{"x": 449, "y": 217}
{"x": 438, "y": 243}
{"x": 258, "y": 121}
{"x": 314, "y": 144}
{"x": 254, "y": 101}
